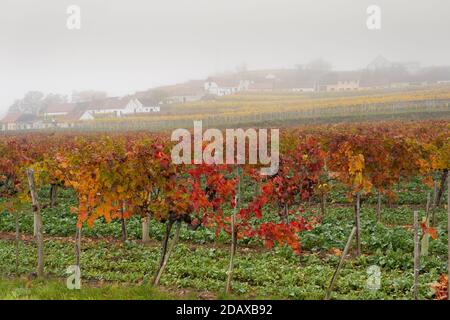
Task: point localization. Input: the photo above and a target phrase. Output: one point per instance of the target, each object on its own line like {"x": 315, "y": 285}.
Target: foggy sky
{"x": 124, "y": 46}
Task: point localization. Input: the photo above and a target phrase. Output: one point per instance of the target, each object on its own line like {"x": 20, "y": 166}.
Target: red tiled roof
{"x": 110, "y": 103}
{"x": 14, "y": 117}
{"x": 60, "y": 108}
{"x": 225, "y": 81}
{"x": 73, "y": 116}
{"x": 11, "y": 117}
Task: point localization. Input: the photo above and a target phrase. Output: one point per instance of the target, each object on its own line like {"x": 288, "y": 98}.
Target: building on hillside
{"x": 110, "y": 106}
{"x": 344, "y": 85}
{"x": 58, "y": 109}
{"x": 380, "y": 63}
{"x": 296, "y": 80}
{"x": 256, "y": 80}
{"x": 222, "y": 86}
{"x": 115, "y": 107}
{"x": 244, "y": 85}
{"x": 340, "y": 81}
{"x": 260, "y": 86}
{"x": 291, "y": 80}
{"x": 294, "y": 83}
{"x": 185, "y": 92}
{"x": 22, "y": 121}
{"x": 69, "y": 120}
{"x": 135, "y": 106}
{"x": 9, "y": 121}
{"x": 148, "y": 105}
{"x": 86, "y": 115}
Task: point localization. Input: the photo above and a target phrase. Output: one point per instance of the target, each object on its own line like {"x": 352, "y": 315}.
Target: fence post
{"x": 416, "y": 255}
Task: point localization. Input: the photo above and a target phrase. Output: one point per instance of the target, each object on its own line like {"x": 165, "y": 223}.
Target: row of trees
{"x": 34, "y": 102}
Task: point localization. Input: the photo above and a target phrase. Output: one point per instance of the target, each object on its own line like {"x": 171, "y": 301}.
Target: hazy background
{"x": 124, "y": 46}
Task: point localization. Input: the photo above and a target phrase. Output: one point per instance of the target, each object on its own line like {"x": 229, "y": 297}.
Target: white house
{"x": 20, "y": 121}
{"x": 113, "y": 106}
{"x": 244, "y": 85}
{"x": 136, "y": 106}
{"x": 222, "y": 86}
{"x": 86, "y": 115}
{"x": 119, "y": 108}
{"x": 9, "y": 121}
{"x": 340, "y": 81}
{"x": 344, "y": 85}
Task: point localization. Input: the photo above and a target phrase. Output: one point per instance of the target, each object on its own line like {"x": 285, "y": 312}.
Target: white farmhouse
{"x": 86, "y": 115}
{"x": 110, "y": 106}
{"x": 222, "y": 86}
{"x": 135, "y": 106}
{"x": 115, "y": 107}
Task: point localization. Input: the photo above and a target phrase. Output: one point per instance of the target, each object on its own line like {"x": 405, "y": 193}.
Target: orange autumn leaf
{"x": 429, "y": 230}
{"x": 336, "y": 251}
{"x": 441, "y": 288}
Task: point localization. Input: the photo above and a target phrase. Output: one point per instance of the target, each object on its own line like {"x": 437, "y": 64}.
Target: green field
{"x": 114, "y": 269}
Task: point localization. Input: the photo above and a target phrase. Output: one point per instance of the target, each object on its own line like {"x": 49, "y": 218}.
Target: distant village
{"x": 36, "y": 111}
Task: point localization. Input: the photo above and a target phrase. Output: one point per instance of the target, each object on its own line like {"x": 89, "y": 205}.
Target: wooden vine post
{"x": 341, "y": 261}
{"x": 435, "y": 204}
{"x": 146, "y": 223}
{"x": 234, "y": 234}
{"x": 17, "y": 242}
{"x": 37, "y": 222}
{"x": 78, "y": 246}
{"x": 124, "y": 224}
{"x": 323, "y": 203}
{"x": 441, "y": 191}
{"x": 53, "y": 195}
{"x": 145, "y": 229}
{"x": 379, "y": 207}
{"x": 358, "y": 223}
{"x": 416, "y": 255}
